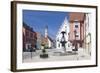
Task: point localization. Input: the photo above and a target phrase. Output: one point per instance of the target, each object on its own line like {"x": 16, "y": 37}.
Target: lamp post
{"x": 31, "y": 49}
{"x": 75, "y": 42}
{"x": 63, "y": 41}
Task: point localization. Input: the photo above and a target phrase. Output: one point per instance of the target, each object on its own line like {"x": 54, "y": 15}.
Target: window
{"x": 76, "y": 26}
{"x": 58, "y": 40}
{"x": 59, "y": 45}
{"x": 77, "y": 35}
{"x": 31, "y": 35}
{"x": 27, "y": 33}
{"x": 65, "y": 26}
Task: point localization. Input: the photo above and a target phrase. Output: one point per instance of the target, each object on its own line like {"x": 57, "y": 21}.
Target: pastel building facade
{"x": 29, "y": 37}
{"x": 76, "y": 34}
{"x": 39, "y": 37}
{"x": 80, "y": 30}
{"x": 47, "y": 40}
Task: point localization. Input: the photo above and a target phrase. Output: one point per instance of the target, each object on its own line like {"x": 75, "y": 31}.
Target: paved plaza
{"x": 55, "y": 55}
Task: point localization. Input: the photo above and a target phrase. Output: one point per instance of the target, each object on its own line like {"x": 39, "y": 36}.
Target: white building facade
{"x": 64, "y": 27}
{"x": 87, "y": 33}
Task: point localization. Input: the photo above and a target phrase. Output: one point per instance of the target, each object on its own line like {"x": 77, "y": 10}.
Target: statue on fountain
{"x": 63, "y": 41}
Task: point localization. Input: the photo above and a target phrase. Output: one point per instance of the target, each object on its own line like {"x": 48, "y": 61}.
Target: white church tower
{"x": 48, "y": 40}
{"x": 64, "y": 27}
{"x": 46, "y": 31}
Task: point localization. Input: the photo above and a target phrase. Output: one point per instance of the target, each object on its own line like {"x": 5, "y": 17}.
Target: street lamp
{"x": 75, "y": 42}
{"x": 31, "y": 49}
{"x": 63, "y": 41}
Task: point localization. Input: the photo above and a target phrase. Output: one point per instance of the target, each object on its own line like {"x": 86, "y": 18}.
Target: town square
{"x": 55, "y": 36}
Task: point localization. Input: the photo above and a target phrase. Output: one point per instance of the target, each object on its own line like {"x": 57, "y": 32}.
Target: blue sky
{"x": 39, "y": 19}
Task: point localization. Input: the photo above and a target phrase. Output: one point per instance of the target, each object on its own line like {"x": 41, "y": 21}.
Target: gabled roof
{"x": 50, "y": 38}
{"x": 27, "y": 27}
{"x": 76, "y": 16}
{"x": 62, "y": 25}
